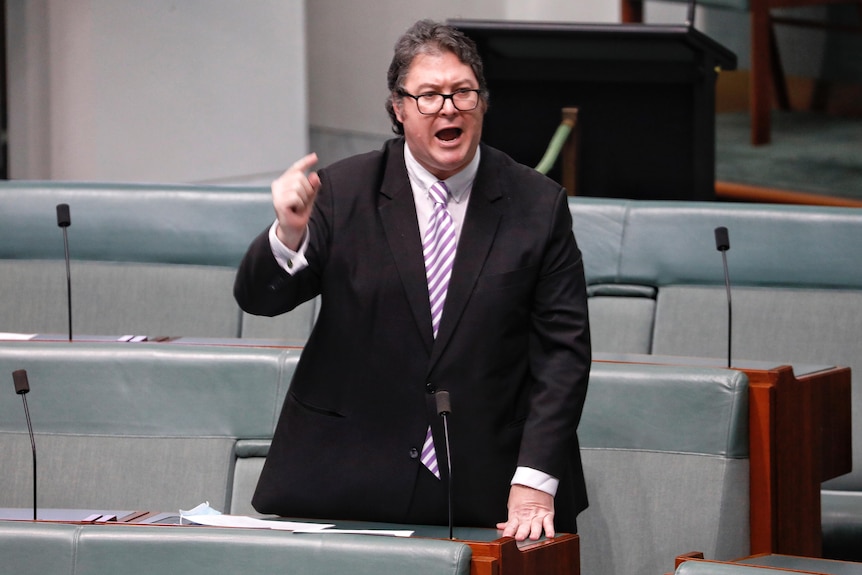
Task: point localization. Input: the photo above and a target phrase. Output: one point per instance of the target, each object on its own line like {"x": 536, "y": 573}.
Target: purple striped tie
{"x": 439, "y": 251}
{"x": 438, "y": 248}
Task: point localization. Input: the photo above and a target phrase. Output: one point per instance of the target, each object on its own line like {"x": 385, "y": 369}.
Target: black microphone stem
{"x": 444, "y": 408}
{"x": 22, "y": 388}
{"x": 729, "y": 307}
{"x": 68, "y": 280}
{"x": 64, "y": 220}
{"x": 33, "y": 447}
{"x": 722, "y": 244}
{"x": 449, "y": 466}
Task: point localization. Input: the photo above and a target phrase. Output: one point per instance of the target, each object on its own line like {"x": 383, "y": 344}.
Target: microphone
{"x": 22, "y": 388}
{"x": 444, "y": 408}
{"x": 64, "y": 220}
{"x": 689, "y": 21}
{"x": 722, "y": 244}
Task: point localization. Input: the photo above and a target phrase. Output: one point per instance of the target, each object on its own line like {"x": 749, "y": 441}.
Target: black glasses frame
{"x": 479, "y": 92}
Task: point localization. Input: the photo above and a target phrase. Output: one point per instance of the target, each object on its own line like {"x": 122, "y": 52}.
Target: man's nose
{"x": 448, "y": 107}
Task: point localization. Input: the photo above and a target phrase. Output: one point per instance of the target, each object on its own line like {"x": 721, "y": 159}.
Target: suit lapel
{"x": 477, "y": 236}
{"x": 398, "y": 215}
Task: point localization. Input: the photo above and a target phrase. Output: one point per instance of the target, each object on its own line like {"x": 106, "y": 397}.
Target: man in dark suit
{"x": 507, "y": 336}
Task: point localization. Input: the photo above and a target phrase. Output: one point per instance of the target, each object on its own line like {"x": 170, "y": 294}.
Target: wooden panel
{"x": 762, "y": 467}
{"x": 558, "y": 556}
{"x": 799, "y": 437}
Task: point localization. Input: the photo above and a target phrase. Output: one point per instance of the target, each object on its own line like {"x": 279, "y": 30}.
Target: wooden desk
{"x": 799, "y": 437}
{"x": 492, "y": 554}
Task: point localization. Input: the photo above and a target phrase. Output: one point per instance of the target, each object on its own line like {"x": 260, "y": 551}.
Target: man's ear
{"x": 398, "y": 107}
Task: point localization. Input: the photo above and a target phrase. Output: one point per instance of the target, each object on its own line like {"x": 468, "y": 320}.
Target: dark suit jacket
{"x": 513, "y": 347}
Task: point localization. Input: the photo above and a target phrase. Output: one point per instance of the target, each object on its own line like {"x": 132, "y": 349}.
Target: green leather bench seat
{"x": 48, "y": 549}
{"x": 672, "y": 243}
{"x": 136, "y": 426}
{"x": 810, "y": 564}
{"x": 656, "y": 286}
{"x": 769, "y": 565}
{"x": 665, "y": 452}
{"x": 147, "y": 259}
{"x": 842, "y": 526}
{"x": 706, "y": 568}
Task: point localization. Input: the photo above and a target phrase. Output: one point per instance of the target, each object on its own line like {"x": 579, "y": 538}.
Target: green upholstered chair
{"x": 45, "y": 548}
{"x": 765, "y": 60}
{"x": 767, "y": 565}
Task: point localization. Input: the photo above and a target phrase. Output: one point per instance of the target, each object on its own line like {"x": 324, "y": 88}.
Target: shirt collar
{"x": 459, "y": 185}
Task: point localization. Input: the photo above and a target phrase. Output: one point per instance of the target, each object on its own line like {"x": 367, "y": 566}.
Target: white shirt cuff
{"x": 289, "y": 260}
{"x": 536, "y": 479}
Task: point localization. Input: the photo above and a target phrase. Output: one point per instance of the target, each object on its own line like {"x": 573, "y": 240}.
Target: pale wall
{"x": 159, "y": 90}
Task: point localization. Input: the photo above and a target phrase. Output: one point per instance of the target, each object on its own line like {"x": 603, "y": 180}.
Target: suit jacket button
{"x": 414, "y": 453}
{"x": 430, "y": 387}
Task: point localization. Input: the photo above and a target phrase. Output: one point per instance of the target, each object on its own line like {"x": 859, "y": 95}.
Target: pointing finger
{"x": 305, "y": 163}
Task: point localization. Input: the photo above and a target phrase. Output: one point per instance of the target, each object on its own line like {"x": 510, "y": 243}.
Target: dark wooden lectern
{"x": 645, "y": 96}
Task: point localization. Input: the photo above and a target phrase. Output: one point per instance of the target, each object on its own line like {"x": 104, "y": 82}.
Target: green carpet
{"x": 810, "y": 152}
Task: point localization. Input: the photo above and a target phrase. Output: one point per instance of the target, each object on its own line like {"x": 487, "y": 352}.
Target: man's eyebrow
{"x": 459, "y": 85}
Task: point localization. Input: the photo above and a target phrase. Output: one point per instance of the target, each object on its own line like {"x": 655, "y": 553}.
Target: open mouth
{"x": 449, "y": 134}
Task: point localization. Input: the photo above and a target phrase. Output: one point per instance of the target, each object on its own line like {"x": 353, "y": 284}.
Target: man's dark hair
{"x": 429, "y": 37}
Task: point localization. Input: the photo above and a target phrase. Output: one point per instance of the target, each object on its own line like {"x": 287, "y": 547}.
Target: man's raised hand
{"x": 293, "y": 195}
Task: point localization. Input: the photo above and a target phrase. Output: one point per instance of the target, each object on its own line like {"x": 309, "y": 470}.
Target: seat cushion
{"x": 646, "y": 507}
{"x": 137, "y": 550}
{"x": 119, "y": 298}
{"x": 665, "y": 453}
{"x": 115, "y": 472}
{"x": 842, "y": 524}
{"x": 621, "y": 317}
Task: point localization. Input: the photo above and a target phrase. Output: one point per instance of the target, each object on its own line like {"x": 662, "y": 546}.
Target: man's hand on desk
{"x": 530, "y": 512}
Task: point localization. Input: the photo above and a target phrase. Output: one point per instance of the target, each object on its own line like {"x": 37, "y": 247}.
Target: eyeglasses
{"x": 431, "y": 103}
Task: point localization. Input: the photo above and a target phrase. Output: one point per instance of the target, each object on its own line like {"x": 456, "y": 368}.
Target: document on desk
{"x": 253, "y": 523}
{"x": 294, "y": 526}
{"x": 11, "y": 336}
{"x": 386, "y": 532}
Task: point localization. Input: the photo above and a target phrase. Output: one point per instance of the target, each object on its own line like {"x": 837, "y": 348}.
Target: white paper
{"x": 295, "y": 526}
{"x": 16, "y": 336}
{"x": 253, "y": 523}
{"x": 200, "y": 509}
{"x": 388, "y": 532}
